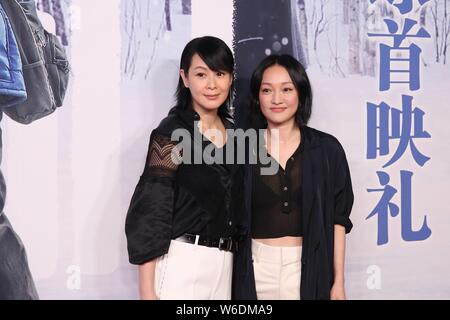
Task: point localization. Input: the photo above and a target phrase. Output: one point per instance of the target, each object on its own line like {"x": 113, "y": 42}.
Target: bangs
{"x": 217, "y": 58}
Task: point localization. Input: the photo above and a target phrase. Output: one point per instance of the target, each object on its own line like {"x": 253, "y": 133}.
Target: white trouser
{"x": 277, "y": 271}
{"x": 192, "y": 272}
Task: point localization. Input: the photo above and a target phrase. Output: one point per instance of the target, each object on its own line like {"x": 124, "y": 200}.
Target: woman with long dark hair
{"x": 297, "y": 217}
{"x": 181, "y": 220}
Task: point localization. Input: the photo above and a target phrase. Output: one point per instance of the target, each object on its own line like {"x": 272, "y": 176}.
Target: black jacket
{"x": 170, "y": 200}
{"x": 327, "y": 200}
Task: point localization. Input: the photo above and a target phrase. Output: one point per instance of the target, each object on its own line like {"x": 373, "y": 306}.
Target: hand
{"x": 149, "y": 296}
{"x": 337, "y": 292}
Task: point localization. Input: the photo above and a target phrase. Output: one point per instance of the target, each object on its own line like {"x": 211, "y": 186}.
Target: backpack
{"x": 44, "y": 63}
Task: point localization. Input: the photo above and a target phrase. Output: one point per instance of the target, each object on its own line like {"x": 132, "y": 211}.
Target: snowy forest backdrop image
{"x": 153, "y": 35}
{"x": 379, "y": 74}
{"x": 332, "y": 35}
{"x": 379, "y": 70}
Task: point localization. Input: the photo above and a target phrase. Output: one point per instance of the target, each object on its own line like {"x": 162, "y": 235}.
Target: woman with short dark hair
{"x": 297, "y": 217}
{"x": 181, "y": 220}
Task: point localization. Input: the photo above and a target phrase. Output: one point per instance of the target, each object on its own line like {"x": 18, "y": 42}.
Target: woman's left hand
{"x": 337, "y": 292}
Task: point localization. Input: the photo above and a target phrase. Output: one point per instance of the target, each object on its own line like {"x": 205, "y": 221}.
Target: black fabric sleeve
{"x": 148, "y": 225}
{"x": 343, "y": 192}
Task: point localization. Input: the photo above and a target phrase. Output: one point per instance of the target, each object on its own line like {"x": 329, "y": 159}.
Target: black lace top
{"x": 173, "y": 197}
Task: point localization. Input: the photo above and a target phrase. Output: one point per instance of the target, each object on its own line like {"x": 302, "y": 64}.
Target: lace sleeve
{"x": 148, "y": 225}
{"x": 163, "y": 157}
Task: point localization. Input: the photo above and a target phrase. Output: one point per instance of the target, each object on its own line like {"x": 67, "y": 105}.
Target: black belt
{"x": 226, "y": 244}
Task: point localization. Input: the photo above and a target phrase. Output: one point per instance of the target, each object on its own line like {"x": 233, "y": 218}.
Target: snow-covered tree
{"x": 167, "y": 12}
{"x": 441, "y": 23}
{"x": 186, "y": 6}
{"x": 303, "y": 30}
{"x": 369, "y": 49}
{"x": 354, "y": 42}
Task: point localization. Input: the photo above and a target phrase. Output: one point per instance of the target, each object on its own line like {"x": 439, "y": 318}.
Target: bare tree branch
{"x": 434, "y": 13}
{"x": 167, "y": 12}
{"x": 354, "y": 41}
{"x": 186, "y": 6}
{"x": 152, "y": 55}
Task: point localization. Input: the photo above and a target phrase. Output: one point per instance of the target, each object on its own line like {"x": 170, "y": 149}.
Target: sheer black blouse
{"x": 276, "y": 205}
{"x": 173, "y": 197}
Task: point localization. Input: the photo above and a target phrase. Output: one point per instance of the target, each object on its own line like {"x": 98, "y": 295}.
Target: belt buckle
{"x": 225, "y": 244}
{"x": 197, "y": 237}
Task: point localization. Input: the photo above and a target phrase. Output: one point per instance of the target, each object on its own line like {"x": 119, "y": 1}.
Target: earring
{"x": 230, "y": 102}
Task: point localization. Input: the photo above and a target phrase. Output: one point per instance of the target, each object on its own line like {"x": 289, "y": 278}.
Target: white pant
{"x": 277, "y": 271}
{"x": 193, "y": 272}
